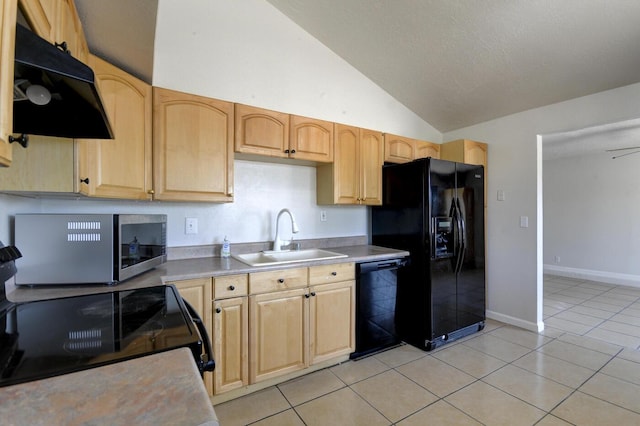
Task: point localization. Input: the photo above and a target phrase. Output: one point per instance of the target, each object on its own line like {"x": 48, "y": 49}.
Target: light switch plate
{"x": 524, "y": 221}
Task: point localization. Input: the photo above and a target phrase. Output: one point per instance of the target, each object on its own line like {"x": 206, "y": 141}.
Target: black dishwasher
{"x": 376, "y": 290}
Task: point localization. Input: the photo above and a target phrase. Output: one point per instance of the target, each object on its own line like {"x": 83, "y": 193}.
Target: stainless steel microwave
{"x": 60, "y": 249}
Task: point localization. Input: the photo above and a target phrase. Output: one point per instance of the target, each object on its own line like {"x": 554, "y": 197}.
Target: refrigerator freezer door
{"x": 442, "y": 197}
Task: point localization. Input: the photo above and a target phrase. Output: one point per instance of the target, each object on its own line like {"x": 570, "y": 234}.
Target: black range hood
{"x": 73, "y": 109}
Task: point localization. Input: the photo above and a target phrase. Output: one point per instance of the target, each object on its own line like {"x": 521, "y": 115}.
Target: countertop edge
{"x": 193, "y": 268}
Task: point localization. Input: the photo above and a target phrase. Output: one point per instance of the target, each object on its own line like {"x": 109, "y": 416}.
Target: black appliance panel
{"x": 441, "y": 294}
{"x": 58, "y": 336}
{"x": 376, "y": 301}
{"x": 471, "y": 272}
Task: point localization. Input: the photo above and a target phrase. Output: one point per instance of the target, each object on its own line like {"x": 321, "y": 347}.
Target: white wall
{"x": 261, "y": 190}
{"x": 247, "y": 51}
{"x": 591, "y": 211}
{"x": 514, "y": 272}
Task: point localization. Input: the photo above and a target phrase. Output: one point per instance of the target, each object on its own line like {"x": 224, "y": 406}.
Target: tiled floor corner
{"x": 583, "y": 370}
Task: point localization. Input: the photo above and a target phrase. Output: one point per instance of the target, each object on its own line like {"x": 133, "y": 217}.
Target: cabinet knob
{"x": 334, "y": 273}
{"x": 85, "y": 180}
{"x": 307, "y": 296}
{"x": 286, "y": 151}
{"x": 232, "y": 287}
{"x": 63, "y": 46}
{"x": 23, "y": 140}
{"x": 280, "y": 280}
{"x": 313, "y": 293}
{"x": 151, "y": 192}
{"x": 293, "y": 151}
{"x": 218, "y": 310}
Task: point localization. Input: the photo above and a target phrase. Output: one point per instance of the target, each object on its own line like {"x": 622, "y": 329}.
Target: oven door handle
{"x": 206, "y": 363}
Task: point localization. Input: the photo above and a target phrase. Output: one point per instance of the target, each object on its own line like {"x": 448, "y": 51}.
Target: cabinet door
{"x": 332, "y": 320}
{"x": 426, "y": 149}
{"x": 464, "y": 151}
{"x": 279, "y": 338}
{"x": 371, "y": 161}
{"x": 119, "y": 167}
{"x": 192, "y": 147}
{"x": 261, "y": 131}
{"x": 69, "y": 30}
{"x": 41, "y": 15}
{"x": 467, "y": 151}
{"x": 231, "y": 344}
{"x": 311, "y": 139}
{"x": 398, "y": 149}
{"x": 197, "y": 292}
{"x": 346, "y": 169}
{"x": 7, "y": 39}
{"x": 475, "y": 153}
{"x": 47, "y": 165}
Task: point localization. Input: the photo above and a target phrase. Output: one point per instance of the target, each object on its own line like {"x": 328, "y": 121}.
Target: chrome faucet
{"x": 277, "y": 243}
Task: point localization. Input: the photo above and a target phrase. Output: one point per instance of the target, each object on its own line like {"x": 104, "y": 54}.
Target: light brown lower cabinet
{"x": 278, "y": 333}
{"x": 293, "y": 329}
{"x": 198, "y": 293}
{"x": 265, "y": 325}
{"x": 331, "y": 325}
{"x": 230, "y": 338}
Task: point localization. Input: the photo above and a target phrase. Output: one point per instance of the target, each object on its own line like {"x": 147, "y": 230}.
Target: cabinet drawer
{"x": 323, "y": 274}
{"x": 230, "y": 286}
{"x": 262, "y": 282}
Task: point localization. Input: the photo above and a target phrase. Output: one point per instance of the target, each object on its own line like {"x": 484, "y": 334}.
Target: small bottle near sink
{"x": 226, "y": 248}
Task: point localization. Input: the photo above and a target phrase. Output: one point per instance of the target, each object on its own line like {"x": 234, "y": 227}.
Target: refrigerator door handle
{"x": 453, "y": 214}
{"x": 463, "y": 236}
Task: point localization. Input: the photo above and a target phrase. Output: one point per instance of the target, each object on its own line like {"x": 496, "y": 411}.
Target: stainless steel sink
{"x": 269, "y": 258}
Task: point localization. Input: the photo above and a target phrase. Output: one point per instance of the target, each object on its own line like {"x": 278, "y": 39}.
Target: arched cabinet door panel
{"x": 192, "y": 147}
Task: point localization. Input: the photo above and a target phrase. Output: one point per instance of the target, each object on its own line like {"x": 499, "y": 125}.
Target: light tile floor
{"x": 573, "y": 373}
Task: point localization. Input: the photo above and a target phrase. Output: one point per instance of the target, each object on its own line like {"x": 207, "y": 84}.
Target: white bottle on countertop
{"x": 226, "y": 248}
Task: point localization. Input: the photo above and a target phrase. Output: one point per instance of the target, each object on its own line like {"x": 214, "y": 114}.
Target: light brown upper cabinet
{"x": 465, "y": 151}
{"x": 261, "y": 131}
{"x": 192, "y": 148}
{"x": 119, "y": 167}
{"x": 41, "y": 15}
{"x": 310, "y": 139}
{"x": 426, "y": 149}
{"x": 110, "y": 168}
{"x": 355, "y": 176}
{"x": 57, "y": 21}
{"x": 70, "y": 30}
{"x": 7, "y": 40}
{"x": 469, "y": 152}
{"x": 276, "y": 134}
{"x": 400, "y": 149}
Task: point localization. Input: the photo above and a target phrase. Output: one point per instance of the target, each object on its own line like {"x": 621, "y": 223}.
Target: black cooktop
{"x": 52, "y": 337}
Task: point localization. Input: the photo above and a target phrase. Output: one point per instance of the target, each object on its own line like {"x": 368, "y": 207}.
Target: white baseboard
{"x": 586, "y": 274}
{"x": 518, "y": 322}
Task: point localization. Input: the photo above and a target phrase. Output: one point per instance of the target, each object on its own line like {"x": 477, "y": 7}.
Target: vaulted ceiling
{"x": 453, "y": 62}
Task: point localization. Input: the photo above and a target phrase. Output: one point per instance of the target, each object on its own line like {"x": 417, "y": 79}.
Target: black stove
{"x": 57, "y": 336}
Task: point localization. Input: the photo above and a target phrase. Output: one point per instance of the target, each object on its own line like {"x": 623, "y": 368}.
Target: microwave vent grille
{"x": 75, "y": 225}
{"x": 84, "y": 237}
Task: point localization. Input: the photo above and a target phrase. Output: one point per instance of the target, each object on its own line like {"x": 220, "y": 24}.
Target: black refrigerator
{"x": 435, "y": 210}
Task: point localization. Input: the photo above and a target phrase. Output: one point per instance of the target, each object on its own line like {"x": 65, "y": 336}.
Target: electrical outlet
{"x": 556, "y": 259}
{"x": 323, "y": 215}
{"x": 191, "y": 225}
{"x": 524, "y": 221}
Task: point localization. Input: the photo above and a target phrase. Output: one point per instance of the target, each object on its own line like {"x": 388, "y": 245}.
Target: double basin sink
{"x": 272, "y": 258}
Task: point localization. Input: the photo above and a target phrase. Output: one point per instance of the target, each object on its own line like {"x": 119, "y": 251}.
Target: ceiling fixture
{"x": 637, "y": 150}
